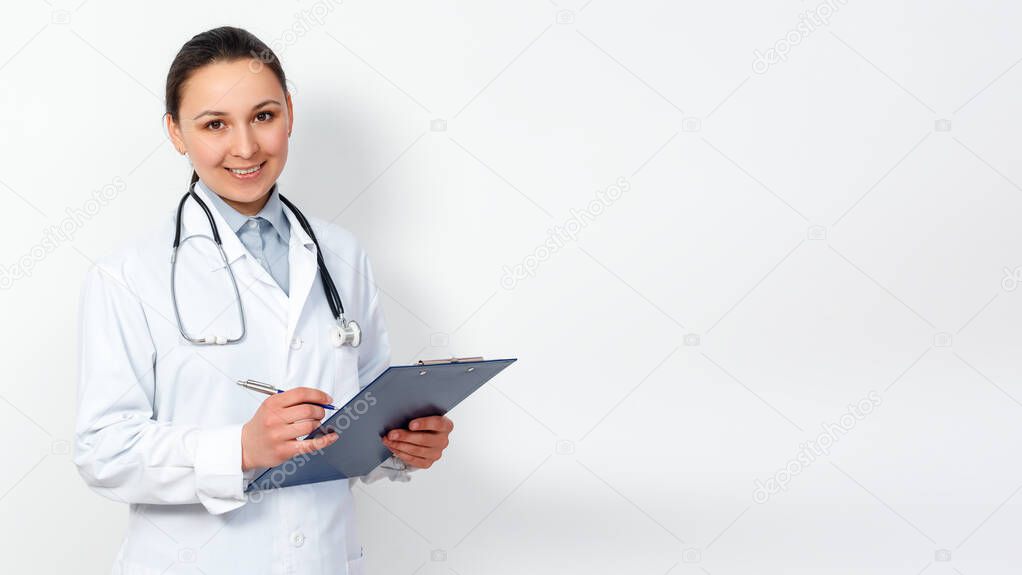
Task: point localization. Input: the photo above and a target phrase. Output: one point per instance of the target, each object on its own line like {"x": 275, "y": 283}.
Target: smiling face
{"x": 234, "y": 124}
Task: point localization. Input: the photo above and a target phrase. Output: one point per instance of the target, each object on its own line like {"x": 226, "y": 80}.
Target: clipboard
{"x": 397, "y": 396}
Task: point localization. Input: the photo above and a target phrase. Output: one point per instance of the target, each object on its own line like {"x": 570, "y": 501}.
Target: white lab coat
{"x": 159, "y": 421}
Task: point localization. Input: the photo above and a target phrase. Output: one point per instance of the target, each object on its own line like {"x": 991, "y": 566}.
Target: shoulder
{"x": 139, "y": 259}
{"x": 345, "y": 257}
{"x": 338, "y": 242}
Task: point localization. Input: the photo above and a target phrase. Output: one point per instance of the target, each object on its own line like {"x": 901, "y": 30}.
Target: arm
{"x": 120, "y": 450}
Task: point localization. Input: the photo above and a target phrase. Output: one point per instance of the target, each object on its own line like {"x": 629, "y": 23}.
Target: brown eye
{"x": 268, "y": 116}
{"x": 215, "y": 124}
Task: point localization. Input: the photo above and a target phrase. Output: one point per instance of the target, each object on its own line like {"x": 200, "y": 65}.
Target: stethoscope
{"x": 346, "y": 332}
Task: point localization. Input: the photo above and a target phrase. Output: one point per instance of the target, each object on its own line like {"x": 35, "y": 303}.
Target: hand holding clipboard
{"x": 399, "y": 395}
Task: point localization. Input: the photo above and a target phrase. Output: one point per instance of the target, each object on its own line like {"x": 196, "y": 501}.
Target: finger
{"x": 431, "y": 423}
{"x": 274, "y": 418}
{"x": 423, "y": 438}
{"x": 303, "y": 411}
{"x": 412, "y": 449}
{"x": 305, "y": 446}
{"x": 297, "y": 429}
{"x": 300, "y": 395}
{"x": 414, "y": 461}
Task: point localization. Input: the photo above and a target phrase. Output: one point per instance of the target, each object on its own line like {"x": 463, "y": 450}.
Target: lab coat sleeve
{"x": 120, "y": 450}
{"x": 371, "y": 365}
{"x": 393, "y": 469}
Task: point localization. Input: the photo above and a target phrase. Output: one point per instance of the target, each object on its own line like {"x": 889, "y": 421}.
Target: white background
{"x": 837, "y": 224}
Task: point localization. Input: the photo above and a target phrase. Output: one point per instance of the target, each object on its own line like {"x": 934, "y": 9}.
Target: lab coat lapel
{"x": 304, "y": 268}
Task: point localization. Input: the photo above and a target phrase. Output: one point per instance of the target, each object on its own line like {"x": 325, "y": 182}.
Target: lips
{"x": 247, "y": 172}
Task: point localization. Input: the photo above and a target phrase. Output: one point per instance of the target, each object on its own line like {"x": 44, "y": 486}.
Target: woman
{"x": 161, "y": 424}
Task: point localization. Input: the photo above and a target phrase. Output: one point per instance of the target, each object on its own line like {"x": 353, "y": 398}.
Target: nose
{"x": 244, "y": 144}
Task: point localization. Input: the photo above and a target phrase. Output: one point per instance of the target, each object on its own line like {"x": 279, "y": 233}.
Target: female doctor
{"x": 161, "y": 424}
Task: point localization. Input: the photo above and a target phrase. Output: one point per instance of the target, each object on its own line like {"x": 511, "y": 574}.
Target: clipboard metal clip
{"x": 450, "y": 360}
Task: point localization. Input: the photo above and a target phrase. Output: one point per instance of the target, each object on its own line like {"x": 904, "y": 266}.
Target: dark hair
{"x": 224, "y": 44}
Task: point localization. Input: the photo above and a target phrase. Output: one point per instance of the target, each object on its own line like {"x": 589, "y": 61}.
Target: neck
{"x": 248, "y": 208}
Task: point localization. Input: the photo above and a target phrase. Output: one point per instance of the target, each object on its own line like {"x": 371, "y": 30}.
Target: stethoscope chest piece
{"x": 346, "y": 332}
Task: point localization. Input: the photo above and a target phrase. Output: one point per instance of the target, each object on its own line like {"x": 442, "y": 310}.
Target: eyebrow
{"x": 216, "y": 113}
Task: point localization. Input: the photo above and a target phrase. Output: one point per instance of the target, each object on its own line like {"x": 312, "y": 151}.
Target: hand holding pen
{"x": 270, "y": 390}
{"x": 271, "y": 436}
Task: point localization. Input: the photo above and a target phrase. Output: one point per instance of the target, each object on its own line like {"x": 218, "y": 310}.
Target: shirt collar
{"x": 272, "y": 212}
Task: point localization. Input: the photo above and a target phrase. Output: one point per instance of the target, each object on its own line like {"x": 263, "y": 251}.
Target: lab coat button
{"x": 297, "y": 538}
{"x": 296, "y": 343}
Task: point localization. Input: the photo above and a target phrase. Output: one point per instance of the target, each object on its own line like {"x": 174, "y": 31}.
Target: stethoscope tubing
{"x": 329, "y": 288}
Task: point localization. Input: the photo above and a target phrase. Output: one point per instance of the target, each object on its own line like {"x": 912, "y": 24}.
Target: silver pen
{"x": 270, "y": 390}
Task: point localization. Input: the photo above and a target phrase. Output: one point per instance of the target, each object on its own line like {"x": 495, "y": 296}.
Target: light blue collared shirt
{"x": 266, "y": 235}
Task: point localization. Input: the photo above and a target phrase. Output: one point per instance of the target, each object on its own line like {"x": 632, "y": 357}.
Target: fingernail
{"x": 414, "y": 425}
{"x": 393, "y": 435}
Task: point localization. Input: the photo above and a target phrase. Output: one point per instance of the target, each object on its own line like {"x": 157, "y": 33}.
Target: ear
{"x": 175, "y": 134}
{"x": 290, "y": 113}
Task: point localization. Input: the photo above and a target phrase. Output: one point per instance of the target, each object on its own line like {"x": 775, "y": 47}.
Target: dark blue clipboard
{"x": 399, "y": 395}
